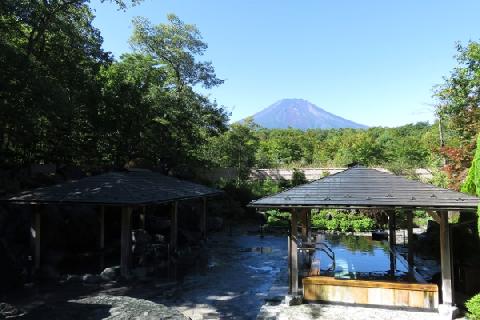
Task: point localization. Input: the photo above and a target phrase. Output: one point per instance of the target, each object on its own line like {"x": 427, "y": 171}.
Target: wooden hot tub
{"x": 367, "y": 292}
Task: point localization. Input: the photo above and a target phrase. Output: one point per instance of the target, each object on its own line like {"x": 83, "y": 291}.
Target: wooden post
{"x": 294, "y": 253}
{"x": 35, "y": 234}
{"x": 174, "y": 226}
{"x": 410, "y": 240}
{"x": 446, "y": 310}
{"x": 101, "y": 243}
{"x": 309, "y": 224}
{"x": 203, "y": 219}
{"x": 392, "y": 238}
{"x": 126, "y": 242}
{"x": 304, "y": 223}
{"x": 142, "y": 217}
{"x": 289, "y": 243}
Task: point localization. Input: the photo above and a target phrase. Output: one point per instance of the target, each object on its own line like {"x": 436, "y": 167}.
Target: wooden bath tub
{"x": 367, "y": 292}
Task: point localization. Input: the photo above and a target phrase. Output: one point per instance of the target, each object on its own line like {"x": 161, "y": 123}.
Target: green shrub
{"x": 277, "y": 218}
{"x": 319, "y": 222}
{"x": 345, "y": 225}
{"x": 332, "y": 225}
{"x": 473, "y": 307}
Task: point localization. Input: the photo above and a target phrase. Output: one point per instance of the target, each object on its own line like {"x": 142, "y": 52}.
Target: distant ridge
{"x": 300, "y": 114}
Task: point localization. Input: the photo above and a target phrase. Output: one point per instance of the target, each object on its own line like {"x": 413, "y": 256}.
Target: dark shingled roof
{"x": 117, "y": 188}
{"x": 360, "y": 187}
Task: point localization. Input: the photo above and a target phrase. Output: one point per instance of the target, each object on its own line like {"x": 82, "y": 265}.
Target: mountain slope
{"x": 300, "y": 114}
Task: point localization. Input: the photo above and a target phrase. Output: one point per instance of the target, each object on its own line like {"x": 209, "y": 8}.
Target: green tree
{"x": 458, "y": 108}
{"x": 236, "y": 148}
{"x": 472, "y": 182}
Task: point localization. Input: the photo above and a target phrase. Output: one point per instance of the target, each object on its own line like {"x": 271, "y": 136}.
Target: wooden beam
{"x": 174, "y": 226}
{"x": 446, "y": 262}
{"x": 101, "y": 243}
{"x": 126, "y": 242}
{"x": 294, "y": 253}
{"x": 410, "y": 240}
{"x": 35, "y": 235}
{"x": 203, "y": 219}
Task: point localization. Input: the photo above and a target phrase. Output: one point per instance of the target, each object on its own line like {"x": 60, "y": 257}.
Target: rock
{"x": 73, "y": 278}
{"x": 292, "y": 300}
{"x": 110, "y": 274}
{"x": 91, "y": 278}
{"x": 8, "y": 311}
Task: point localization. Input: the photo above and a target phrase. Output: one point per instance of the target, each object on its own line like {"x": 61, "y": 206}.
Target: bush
{"x": 277, "y": 218}
{"x": 298, "y": 177}
{"x": 473, "y": 307}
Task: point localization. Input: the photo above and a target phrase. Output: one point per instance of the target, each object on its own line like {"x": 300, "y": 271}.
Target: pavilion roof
{"x": 360, "y": 187}
{"x": 117, "y": 188}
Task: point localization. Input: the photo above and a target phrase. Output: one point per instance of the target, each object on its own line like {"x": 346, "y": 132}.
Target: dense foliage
{"x": 332, "y": 220}
{"x": 409, "y": 146}
{"x": 64, "y": 100}
{"x": 473, "y": 307}
{"x": 472, "y": 182}
{"x": 458, "y": 108}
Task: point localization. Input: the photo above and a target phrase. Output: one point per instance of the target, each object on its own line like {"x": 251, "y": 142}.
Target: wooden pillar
{"x": 294, "y": 253}
{"x": 392, "y": 238}
{"x": 446, "y": 263}
{"x": 143, "y": 217}
{"x": 410, "y": 240}
{"x": 309, "y": 224}
{"x": 203, "y": 219}
{"x": 304, "y": 223}
{"x": 174, "y": 226}
{"x": 35, "y": 234}
{"x": 126, "y": 242}
{"x": 392, "y": 226}
{"x": 101, "y": 243}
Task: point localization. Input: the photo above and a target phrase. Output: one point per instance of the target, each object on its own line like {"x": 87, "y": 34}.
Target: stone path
{"x": 338, "y": 312}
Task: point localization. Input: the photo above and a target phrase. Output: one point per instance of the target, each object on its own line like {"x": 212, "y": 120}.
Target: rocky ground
{"x": 338, "y": 312}
{"x": 243, "y": 277}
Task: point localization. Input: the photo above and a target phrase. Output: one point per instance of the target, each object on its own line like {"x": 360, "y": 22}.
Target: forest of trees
{"x": 65, "y": 100}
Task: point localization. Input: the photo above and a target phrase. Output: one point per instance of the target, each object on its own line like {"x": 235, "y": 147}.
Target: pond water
{"x": 357, "y": 257}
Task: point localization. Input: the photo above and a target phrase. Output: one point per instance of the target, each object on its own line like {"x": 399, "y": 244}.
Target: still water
{"x": 355, "y": 257}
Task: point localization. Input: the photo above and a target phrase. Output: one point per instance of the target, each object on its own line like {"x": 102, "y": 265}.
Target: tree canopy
{"x": 64, "y": 100}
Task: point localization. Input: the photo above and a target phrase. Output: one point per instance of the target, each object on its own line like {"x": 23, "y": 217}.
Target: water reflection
{"x": 358, "y": 257}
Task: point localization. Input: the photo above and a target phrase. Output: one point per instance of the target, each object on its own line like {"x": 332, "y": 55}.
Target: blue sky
{"x": 373, "y": 61}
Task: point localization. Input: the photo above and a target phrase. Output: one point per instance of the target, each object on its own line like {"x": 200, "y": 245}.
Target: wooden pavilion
{"x": 135, "y": 189}
{"x": 364, "y": 188}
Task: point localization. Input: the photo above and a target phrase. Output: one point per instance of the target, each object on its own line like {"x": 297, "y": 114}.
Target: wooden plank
{"x": 294, "y": 252}
{"x": 369, "y": 293}
{"x": 174, "y": 227}
{"x": 371, "y": 283}
{"x": 446, "y": 263}
{"x": 126, "y": 242}
{"x": 203, "y": 219}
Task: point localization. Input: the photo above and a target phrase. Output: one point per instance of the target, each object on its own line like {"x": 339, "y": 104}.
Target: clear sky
{"x": 373, "y": 61}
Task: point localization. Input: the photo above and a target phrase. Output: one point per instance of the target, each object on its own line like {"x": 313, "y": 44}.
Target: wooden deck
{"x": 366, "y": 292}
